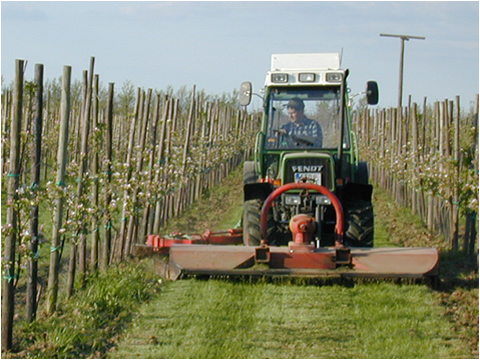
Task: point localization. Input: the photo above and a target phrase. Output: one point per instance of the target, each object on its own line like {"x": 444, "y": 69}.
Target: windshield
{"x": 304, "y": 118}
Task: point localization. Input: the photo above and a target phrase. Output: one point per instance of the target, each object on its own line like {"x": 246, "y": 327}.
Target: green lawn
{"x": 221, "y": 319}
{"x": 129, "y": 312}
{"x": 225, "y": 319}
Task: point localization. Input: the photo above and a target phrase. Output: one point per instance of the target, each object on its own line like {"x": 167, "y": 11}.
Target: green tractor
{"x": 307, "y": 136}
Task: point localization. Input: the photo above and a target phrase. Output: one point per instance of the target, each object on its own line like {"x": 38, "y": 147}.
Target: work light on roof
{"x": 280, "y": 78}
{"x": 334, "y": 77}
{"x": 306, "y": 77}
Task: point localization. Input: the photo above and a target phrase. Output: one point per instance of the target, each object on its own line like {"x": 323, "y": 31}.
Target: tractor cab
{"x": 306, "y": 137}
{"x": 303, "y": 118}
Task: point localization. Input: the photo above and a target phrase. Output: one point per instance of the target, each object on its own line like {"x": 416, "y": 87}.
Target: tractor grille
{"x": 308, "y": 163}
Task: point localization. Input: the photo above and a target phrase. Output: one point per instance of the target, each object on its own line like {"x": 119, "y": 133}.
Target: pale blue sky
{"x": 217, "y": 45}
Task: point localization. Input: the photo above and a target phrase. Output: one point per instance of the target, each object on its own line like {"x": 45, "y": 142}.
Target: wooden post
{"x": 133, "y": 219}
{"x": 434, "y": 136}
{"x": 52, "y": 292}
{"x": 46, "y": 126}
{"x": 35, "y": 180}
{"x": 95, "y": 185}
{"x": 72, "y": 267}
{"x": 200, "y": 175}
{"x": 6, "y": 103}
{"x": 8, "y": 262}
{"x": 161, "y": 166}
{"x": 456, "y": 189}
{"x": 211, "y": 140}
{"x": 168, "y": 208}
{"x": 470, "y": 237}
{"x": 79, "y": 238}
{"x": 424, "y": 127}
{"x": 77, "y": 118}
{"x": 153, "y": 141}
{"x": 83, "y": 168}
{"x": 415, "y": 156}
{"x": 186, "y": 149}
{"x": 120, "y": 241}
{"x": 107, "y": 244}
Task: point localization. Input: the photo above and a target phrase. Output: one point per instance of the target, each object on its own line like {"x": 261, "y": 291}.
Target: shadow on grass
{"x": 456, "y": 270}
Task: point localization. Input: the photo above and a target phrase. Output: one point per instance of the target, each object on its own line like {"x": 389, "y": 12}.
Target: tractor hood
{"x": 316, "y": 168}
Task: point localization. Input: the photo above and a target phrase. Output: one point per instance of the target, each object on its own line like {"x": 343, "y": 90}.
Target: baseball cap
{"x": 296, "y": 104}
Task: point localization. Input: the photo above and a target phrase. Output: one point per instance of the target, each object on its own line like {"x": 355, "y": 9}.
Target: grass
{"x": 86, "y": 324}
{"x": 457, "y": 292}
{"x": 127, "y": 313}
{"x": 219, "y": 319}
{"x": 220, "y": 208}
{"x": 226, "y": 319}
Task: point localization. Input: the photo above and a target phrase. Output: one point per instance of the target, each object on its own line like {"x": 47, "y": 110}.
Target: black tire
{"x": 252, "y": 234}
{"x": 361, "y": 176}
{"x": 249, "y": 172}
{"x": 359, "y": 224}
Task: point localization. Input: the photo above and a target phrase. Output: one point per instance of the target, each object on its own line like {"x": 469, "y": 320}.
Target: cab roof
{"x": 307, "y": 62}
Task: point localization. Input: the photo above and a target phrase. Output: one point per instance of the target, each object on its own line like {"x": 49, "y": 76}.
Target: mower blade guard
{"x": 166, "y": 269}
{"x": 394, "y": 262}
{"x": 324, "y": 262}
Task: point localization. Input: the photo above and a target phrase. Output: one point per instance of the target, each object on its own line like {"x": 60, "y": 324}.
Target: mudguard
{"x": 257, "y": 191}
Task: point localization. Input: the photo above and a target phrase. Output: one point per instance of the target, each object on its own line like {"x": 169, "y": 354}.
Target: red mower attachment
{"x": 159, "y": 244}
{"x": 220, "y": 253}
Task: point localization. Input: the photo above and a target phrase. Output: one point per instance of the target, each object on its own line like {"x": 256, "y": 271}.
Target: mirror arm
{"x": 350, "y": 99}
{"x": 260, "y": 96}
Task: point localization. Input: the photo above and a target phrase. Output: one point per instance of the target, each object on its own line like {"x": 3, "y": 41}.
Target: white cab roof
{"x": 319, "y": 61}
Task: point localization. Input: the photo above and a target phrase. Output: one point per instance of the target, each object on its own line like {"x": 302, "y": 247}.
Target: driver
{"x": 300, "y": 125}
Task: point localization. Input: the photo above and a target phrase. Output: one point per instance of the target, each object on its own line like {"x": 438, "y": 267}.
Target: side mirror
{"x": 372, "y": 93}
{"x": 245, "y": 93}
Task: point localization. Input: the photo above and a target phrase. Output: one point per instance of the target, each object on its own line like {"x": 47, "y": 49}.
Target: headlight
{"x": 323, "y": 200}
{"x": 292, "y": 200}
{"x": 279, "y": 78}
{"x": 296, "y": 199}
{"x": 306, "y": 77}
{"x": 334, "y": 77}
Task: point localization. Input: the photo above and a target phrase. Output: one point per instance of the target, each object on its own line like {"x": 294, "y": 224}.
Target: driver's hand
{"x": 281, "y": 131}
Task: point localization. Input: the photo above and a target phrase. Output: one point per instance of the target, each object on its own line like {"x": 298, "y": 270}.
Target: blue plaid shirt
{"x": 306, "y": 127}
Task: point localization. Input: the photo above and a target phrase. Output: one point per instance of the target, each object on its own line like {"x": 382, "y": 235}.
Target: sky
{"x": 216, "y": 45}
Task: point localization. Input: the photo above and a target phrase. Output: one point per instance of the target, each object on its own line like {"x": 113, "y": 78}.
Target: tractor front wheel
{"x": 359, "y": 224}
{"x": 252, "y": 234}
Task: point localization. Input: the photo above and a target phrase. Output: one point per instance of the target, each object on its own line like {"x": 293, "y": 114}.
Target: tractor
{"x": 307, "y": 201}
{"x": 307, "y": 136}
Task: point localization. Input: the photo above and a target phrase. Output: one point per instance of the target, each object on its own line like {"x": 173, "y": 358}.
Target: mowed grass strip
{"x": 224, "y": 319}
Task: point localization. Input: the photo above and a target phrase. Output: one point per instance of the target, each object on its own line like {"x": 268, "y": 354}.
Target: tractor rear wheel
{"x": 359, "y": 224}
{"x": 252, "y": 234}
{"x": 249, "y": 172}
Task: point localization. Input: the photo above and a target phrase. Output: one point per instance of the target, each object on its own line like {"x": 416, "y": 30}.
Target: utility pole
{"x": 402, "y": 50}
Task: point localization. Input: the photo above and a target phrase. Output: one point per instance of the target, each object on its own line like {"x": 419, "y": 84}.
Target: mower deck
{"x": 220, "y": 254}
{"x": 282, "y": 261}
